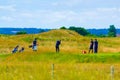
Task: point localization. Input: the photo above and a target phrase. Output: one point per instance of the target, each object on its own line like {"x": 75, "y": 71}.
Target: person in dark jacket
{"x": 57, "y": 45}
{"x": 91, "y": 46}
{"x": 22, "y": 49}
{"x": 95, "y": 46}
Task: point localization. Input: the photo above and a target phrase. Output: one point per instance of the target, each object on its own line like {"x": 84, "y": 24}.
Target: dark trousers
{"x": 57, "y": 49}
{"x": 95, "y": 50}
{"x": 90, "y": 50}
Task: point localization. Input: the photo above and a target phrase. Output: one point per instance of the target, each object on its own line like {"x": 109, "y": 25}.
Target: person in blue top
{"x": 34, "y": 44}
{"x": 15, "y": 49}
{"x": 95, "y": 46}
{"x": 58, "y": 42}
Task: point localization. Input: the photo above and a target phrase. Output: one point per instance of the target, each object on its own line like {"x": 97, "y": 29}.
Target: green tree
{"x": 80, "y": 30}
{"x": 21, "y": 32}
{"x": 112, "y": 31}
{"x": 42, "y": 30}
{"x": 63, "y": 27}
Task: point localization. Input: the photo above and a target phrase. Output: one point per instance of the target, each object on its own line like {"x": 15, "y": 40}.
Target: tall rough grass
{"x": 43, "y": 71}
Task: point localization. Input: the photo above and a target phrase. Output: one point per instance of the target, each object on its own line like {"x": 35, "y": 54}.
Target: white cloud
{"x": 56, "y": 16}
{"x": 27, "y": 15}
{"x": 101, "y": 16}
{"x": 67, "y": 3}
{"x": 55, "y": 3}
{"x": 7, "y": 18}
{"x": 72, "y": 2}
{"x": 8, "y": 8}
{"x": 94, "y": 17}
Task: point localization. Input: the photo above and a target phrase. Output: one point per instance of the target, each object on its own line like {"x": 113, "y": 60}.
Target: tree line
{"x": 82, "y": 31}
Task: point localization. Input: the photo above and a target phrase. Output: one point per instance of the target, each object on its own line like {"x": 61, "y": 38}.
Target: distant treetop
{"x": 63, "y": 27}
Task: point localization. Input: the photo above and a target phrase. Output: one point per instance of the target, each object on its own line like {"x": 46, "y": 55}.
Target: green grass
{"x": 3, "y": 57}
{"x": 67, "y": 66}
{"x": 53, "y": 57}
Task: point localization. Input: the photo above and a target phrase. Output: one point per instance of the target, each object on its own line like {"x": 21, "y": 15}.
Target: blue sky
{"x": 57, "y": 13}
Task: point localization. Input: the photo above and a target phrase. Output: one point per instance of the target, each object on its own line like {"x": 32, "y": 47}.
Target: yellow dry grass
{"x": 72, "y": 42}
{"x": 44, "y": 71}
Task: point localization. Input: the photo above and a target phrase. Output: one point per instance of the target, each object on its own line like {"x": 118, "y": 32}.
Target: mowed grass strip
{"x": 52, "y": 57}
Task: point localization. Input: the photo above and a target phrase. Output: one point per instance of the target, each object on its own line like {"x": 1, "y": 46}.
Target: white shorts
{"x": 34, "y": 47}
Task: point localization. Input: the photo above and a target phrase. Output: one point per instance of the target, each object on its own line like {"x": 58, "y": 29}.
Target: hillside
{"x": 72, "y": 42}
{"x": 60, "y": 34}
{"x": 44, "y": 39}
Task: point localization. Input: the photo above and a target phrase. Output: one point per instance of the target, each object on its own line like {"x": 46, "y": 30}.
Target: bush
{"x": 21, "y": 32}
{"x": 80, "y": 30}
{"x": 63, "y": 27}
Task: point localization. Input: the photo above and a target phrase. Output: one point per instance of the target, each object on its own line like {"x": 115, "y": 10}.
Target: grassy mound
{"x": 60, "y": 34}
